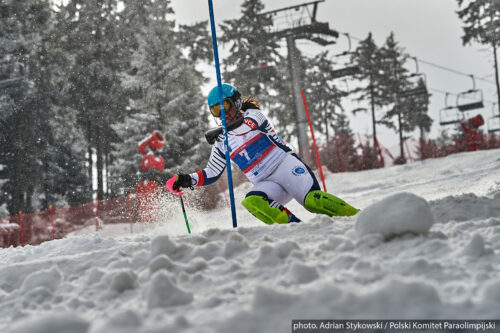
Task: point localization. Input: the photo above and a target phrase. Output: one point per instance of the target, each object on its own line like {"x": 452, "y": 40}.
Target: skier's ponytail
{"x": 249, "y": 102}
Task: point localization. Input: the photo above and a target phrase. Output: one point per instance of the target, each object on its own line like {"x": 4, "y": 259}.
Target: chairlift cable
{"x": 435, "y": 65}
{"x": 454, "y": 94}
{"x": 453, "y": 70}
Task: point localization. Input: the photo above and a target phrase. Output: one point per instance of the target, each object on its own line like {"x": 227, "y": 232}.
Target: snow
{"x": 3, "y": 209}
{"x": 425, "y": 245}
{"x": 395, "y": 215}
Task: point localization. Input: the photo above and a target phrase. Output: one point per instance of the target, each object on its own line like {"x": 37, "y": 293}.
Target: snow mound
{"x": 465, "y": 207}
{"x": 123, "y": 280}
{"x": 49, "y": 278}
{"x": 476, "y": 247}
{"x": 395, "y": 215}
{"x": 123, "y": 322}
{"x": 491, "y": 291}
{"x": 163, "y": 292}
{"x": 51, "y": 323}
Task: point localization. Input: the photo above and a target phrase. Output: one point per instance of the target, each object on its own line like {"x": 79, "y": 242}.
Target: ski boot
{"x": 328, "y": 204}
{"x": 259, "y": 207}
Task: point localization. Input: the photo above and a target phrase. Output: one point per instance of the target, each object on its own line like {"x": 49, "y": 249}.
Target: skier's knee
{"x": 325, "y": 203}
{"x": 259, "y": 207}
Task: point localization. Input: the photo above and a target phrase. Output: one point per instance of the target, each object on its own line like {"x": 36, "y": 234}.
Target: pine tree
{"x": 281, "y": 105}
{"x": 22, "y": 24}
{"x": 253, "y": 51}
{"x": 416, "y": 112}
{"x": 59, "y": 148}
{"x": 367, "y": 56}
{"x": 91, "y": 32}
{"x": 351, "y": 161}
{"x": 372, "y": 158}
{"x": 166, "y": 97}
{"x": 393, "y": 83}
{"x": 482, "y": 24}
{"x": 323, "y": 97}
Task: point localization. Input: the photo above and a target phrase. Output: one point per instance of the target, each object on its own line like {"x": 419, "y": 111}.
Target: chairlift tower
{"x": 292, "y": 23}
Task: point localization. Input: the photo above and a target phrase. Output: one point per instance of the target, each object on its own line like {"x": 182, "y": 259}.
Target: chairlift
{"x": 494, "y": 124}
{"x": 348, "y": 51}
{"x": 262, "y": 72}
{"x": 471, "y": 99}
{"x": 494, "y": 120}
{"x": 449, "y": 115}
{"x": 415, "y": 79}
{"x": 347, "y": 70}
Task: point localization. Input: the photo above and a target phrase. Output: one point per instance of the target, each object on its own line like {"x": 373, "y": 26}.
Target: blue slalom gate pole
{"x": 222, "y": 113}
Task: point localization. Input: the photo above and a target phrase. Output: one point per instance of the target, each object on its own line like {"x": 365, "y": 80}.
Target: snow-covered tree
{"x": 90, "y": 33}
{"x": 393, "y": 82}
{"x": 481, "y": 20}
{"x": 323, "y": 96}
{"x": 165, "y": 95}
{"x": 367, "y": 58}
{"x": 21, "y": 25}
{"x": 341, "y": 149}
{"x": 253, "y": 51}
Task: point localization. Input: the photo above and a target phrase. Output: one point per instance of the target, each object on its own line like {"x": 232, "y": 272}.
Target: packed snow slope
{"x": 425, "y": 245}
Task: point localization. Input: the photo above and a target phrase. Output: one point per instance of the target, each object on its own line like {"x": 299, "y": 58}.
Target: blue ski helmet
{"x": 228, "y": 92}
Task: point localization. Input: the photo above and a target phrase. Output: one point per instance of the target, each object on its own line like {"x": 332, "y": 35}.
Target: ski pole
{"x": 170, "y": 185}
{"x": 222, "y": 113}
{"x": 185, "y": 216}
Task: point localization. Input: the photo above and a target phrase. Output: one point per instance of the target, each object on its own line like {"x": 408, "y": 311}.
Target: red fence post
{"x": 422, "y": 149}
{"x": 408, "y": 151}
{"x": 341, "y": 166}
{"x": 51, "y": 212}
{"x": 130, "y": 214}
{"x": 96, "y": 207}
{"x": 363, "y": 150}
{"x": 21, "y": 226}
{"x": 379, "y": 152}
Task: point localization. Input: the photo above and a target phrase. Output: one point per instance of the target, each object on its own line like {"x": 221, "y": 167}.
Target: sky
{"x": 427, "y": 29}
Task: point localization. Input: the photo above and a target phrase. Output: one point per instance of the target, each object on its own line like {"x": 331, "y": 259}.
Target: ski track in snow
{"x": 430, "y": 254}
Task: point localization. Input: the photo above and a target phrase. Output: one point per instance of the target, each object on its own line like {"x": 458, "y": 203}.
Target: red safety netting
{"x": 35, "y": 228}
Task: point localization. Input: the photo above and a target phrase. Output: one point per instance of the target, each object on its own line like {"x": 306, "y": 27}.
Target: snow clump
{"x": 395, "y": 215}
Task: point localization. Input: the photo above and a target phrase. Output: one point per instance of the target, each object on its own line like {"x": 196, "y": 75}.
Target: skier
{"x": 277, "y": 173}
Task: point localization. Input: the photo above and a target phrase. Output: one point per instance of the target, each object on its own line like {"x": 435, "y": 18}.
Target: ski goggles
{"x": 215, "y": 109}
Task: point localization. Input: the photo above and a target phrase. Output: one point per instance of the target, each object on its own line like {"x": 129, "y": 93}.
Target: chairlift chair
{"x": 415, "y": 79}
{"x": 471, "y": 99}
{"x": 449, "y": 115}
{"x": 348, "y": 69}
{"x": 494, "y": 124}
{"x": 348, "y": 51}
{"x": 416, "y": 88}
{"x": 494, "y": 120}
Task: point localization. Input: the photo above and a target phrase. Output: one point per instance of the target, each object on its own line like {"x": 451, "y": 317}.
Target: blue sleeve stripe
{"x": 265, "y": 127}
{"x": 217, "y": 164}
{"x": 214, "y": 168}
{"x": 211, "y": 180}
